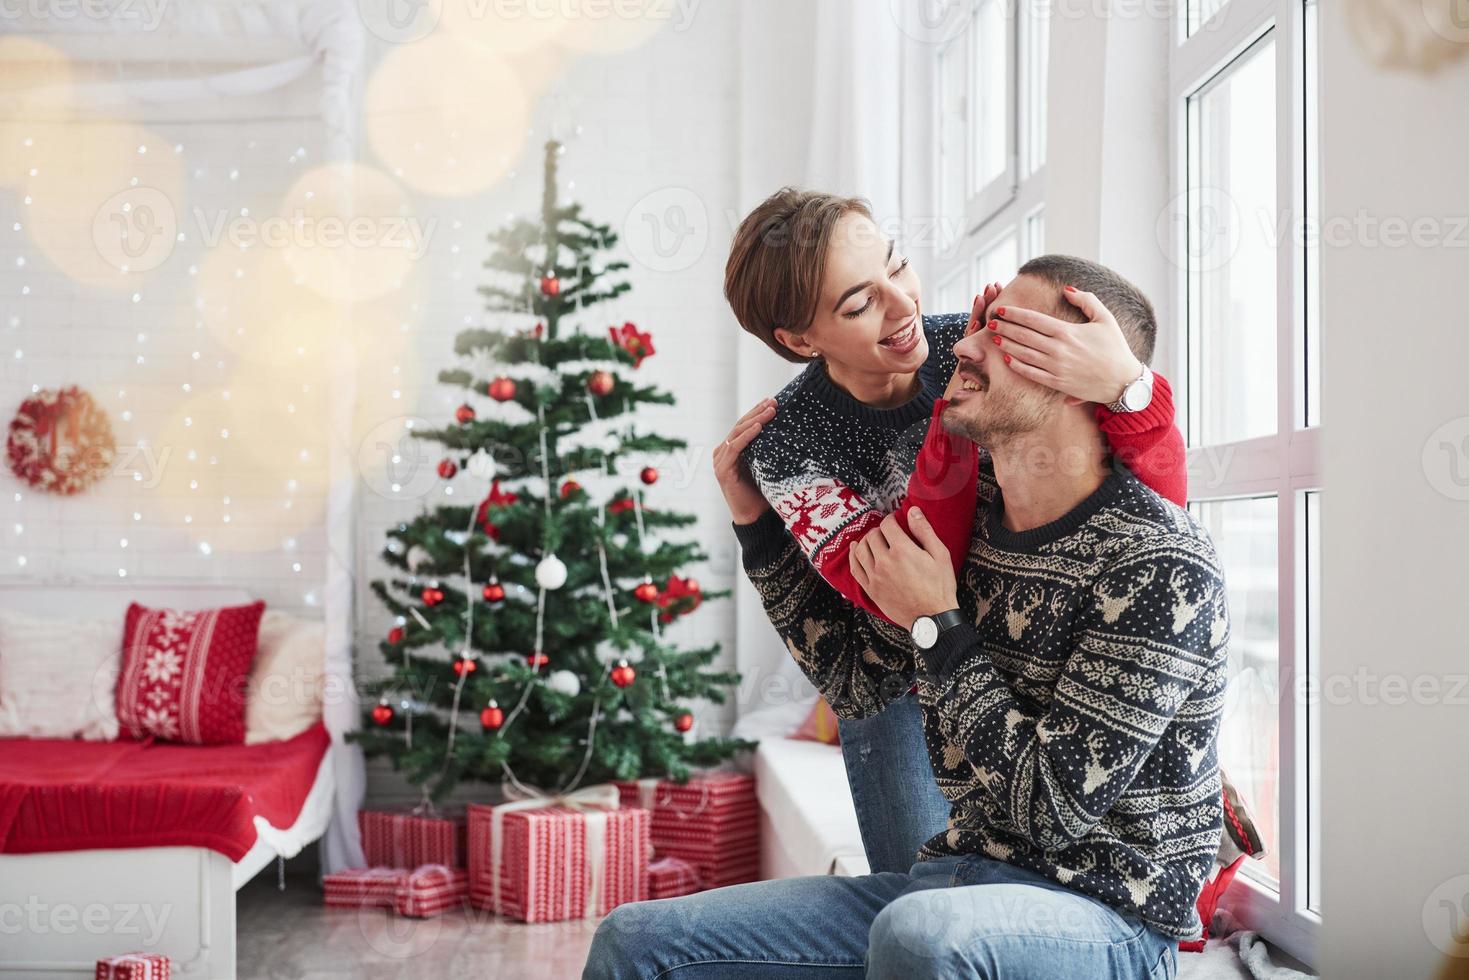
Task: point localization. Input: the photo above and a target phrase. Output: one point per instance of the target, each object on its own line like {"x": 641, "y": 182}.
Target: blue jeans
{"x": 954, "y": 917}
{"x": 899, "y": 806}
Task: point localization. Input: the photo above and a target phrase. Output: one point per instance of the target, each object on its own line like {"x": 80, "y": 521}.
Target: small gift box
{"x": 670, "y": 877}
{"x": 362, "y": 887}
{"x": 712, "y": 821}
{"x": 431, "y": 889}
{"x": 556, "y": 858}
{"x": 133, "y": 966}
{"x": 411, "y": 839}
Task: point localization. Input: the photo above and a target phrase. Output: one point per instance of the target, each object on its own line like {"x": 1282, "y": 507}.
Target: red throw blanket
{"x": 63, "y": 795}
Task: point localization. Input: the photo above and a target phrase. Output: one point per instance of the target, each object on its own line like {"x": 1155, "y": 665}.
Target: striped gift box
{"x": 133, "y": 966}
{"x": 431, "y": 889}
{"x": 362, "y": 887}
{"x": 404, "y": 839}
{"x": 670, "y": 877}
{"x": 544, "y": 874}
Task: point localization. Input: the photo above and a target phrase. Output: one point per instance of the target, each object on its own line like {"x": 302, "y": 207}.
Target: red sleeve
{"x": 944, "y": 484}
{"x": 1149, "y": 444}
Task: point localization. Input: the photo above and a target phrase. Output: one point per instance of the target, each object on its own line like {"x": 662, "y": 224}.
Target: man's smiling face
{"x": 992, "y": 404}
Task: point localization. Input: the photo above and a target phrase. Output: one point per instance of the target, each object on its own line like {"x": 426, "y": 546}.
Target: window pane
{"x": 1244, "y": 533}
{"x": 1037, "y": 25}
{"x": 991, "y": 34}
{"x": 1199, "y": 12}
{"x": 1230, "y": 253}
{"x": 1313, "y": 713}
{"x": 953, "y": 73}
{"x": 1313, "y": 215}
{"x": 1035, "y": 235}
{"x": 954, "y": 294}
{"x": 997, "y": 263}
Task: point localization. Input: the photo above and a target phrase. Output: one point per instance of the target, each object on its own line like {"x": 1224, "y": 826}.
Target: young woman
{"x": 811, "y": 275}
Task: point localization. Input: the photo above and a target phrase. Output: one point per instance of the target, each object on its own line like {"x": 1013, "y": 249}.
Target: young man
{"x": 1071, "y": 680}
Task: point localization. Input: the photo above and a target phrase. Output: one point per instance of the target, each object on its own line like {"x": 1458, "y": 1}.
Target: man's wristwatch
{"x": 927, "y": 629}
{"x": 1136, "y": 396}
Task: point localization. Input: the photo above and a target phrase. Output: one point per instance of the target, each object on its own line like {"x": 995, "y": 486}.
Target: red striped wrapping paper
{"x": 133, "y": 966}
{"x": 362, "y": 887}
{"x": 431, "y": 889}
{"x": 402, "y": 839}
{"x": 670, "y": 877}
{"x": 712, "y": 822}
{"x": 544, "y": 873}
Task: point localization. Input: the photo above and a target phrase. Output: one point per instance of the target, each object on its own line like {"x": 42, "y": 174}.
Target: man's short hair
{"x": 1128, "y": 304}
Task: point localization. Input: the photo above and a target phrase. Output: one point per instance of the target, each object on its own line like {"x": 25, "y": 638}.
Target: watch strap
{"x": 1119, "y": 406}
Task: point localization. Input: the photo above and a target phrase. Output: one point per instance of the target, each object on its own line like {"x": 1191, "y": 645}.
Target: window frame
{"x": 1286, "y": 464}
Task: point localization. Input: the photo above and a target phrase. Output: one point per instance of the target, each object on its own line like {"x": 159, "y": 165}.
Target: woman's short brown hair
{"x": 773, "y": 276}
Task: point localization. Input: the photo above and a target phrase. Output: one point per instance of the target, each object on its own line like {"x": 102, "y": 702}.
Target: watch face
{"x": 925, "y": 632}
{"x": 1137, "y": 396}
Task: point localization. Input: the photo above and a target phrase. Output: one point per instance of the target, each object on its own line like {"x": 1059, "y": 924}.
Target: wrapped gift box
{"x": 405, "y": 839}
{"x": 712, "y": 822}
{"x": 362, "y": 887}
{"x": 133, "y": 966}
{"x": 670, "y": 877}
{"x": 557, "y": 862}
{"x": 431, "y": 889}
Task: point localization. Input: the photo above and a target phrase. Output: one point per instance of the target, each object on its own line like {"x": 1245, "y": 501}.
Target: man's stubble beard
{"x": 1003, "y": 418}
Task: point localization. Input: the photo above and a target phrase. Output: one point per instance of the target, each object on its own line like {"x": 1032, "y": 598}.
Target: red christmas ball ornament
{"x": 683, "y": 722}
{"x": 646, "y": 592}
{"x": 537, "y": 660}
{"x": 492, "y": 716}
{"x": 665, "y": 617}
{"x": 395, "y": 635}
{"x": 568, "y": 488}
{"x": 447, "y": 469}
{"x": 382, "y": 713}
{"x": 649, "y": 475}
{"x": 464, "y": 666}
{"x": 494, "y": 591}
{"x": 550, "y": 285}
{"x": 465, "y": 414}
{"x": 432, "y": 596}
{"x": 601, "y": 383}
{"x": 501, "y": 389}
{"x": 623, "y": 675}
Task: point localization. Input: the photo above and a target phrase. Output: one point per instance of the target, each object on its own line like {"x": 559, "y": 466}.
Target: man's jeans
{"x": 954, "y": 917}
{"x": 899, "y": 806}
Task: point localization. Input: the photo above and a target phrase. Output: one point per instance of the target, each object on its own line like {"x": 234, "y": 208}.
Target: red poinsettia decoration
{"x": 632, "y": 340}
{"x": 680, "y": 597}
{"x": 497, "y": 498}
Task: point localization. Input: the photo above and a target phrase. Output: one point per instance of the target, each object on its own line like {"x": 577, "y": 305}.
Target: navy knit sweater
{"x": 1073, "y": 727}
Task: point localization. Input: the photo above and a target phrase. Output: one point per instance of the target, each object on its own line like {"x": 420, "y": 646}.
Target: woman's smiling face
{"x": 868, "y": 323}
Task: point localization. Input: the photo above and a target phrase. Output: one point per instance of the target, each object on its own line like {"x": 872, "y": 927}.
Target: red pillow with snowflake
{"x": 184, "y": 672}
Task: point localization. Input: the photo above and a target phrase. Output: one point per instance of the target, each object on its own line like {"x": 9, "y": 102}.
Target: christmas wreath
{"x": 60, "y": 441}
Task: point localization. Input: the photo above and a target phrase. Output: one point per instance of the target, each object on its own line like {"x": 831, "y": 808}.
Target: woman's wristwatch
{"x": 927, "y": 629}
{"x": 1137, "y": 395}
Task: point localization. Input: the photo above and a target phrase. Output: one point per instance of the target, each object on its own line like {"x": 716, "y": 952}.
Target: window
{"x": 989, "y": 178}
{"x": 1241, "y": 80}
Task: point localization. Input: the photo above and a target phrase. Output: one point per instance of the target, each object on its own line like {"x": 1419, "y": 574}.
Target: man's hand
{"x": 906, "y": 576}
{"x": 746, "y": 505}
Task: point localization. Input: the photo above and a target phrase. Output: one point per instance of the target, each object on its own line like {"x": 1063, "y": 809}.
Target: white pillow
{"x": 58, "y": 677}
{"x": 283, "y": 694}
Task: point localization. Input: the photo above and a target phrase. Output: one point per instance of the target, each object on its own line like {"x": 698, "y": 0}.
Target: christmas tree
{"x": 529, "y": 644}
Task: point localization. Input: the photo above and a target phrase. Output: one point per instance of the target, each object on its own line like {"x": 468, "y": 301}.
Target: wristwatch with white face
{"x": 926, "y": 629}
{"x": 1136, "y": 396}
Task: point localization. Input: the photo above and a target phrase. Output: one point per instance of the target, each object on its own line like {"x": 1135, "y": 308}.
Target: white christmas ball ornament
{"x": 564, "y": 682}
{"x": 482, "y": 466}
{"x": 551, "y": 573}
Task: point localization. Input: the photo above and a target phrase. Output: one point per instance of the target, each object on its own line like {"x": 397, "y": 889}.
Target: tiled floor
{"x": 290, "y": 935}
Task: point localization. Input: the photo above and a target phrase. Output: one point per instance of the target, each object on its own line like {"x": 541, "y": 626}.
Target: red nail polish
{"x": 999, "y": 311}
{"x": 1007, "y": 358}
{"x": 994, "y": 324}
{"x": 1071, "y": 289}
{"x": 996, "y": 339}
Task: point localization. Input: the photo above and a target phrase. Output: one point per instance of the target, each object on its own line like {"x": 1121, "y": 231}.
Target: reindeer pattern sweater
{"x": 1073, "y": 726}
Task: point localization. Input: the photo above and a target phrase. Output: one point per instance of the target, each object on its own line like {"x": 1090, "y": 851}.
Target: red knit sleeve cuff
{"x": 1158, "y": 414}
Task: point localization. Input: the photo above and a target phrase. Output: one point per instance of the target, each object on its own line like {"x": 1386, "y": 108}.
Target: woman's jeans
{"x": 899, "y": 806}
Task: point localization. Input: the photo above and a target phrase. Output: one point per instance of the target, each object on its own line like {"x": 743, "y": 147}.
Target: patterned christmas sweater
{"x": 833, "y": 467}
{"x": 1074, "y": 726}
